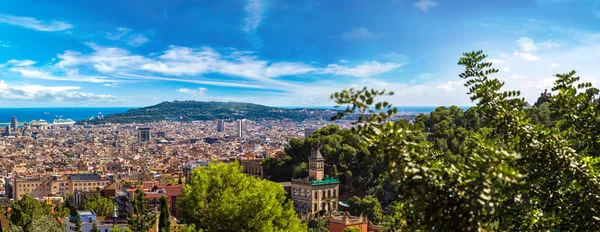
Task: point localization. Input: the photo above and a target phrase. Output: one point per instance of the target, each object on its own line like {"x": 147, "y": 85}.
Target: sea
{"x": 49, "y": 114}
{"x": 81, "y": 113}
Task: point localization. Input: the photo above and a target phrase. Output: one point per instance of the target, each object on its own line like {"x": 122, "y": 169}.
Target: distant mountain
{"x": 199, "y": 110}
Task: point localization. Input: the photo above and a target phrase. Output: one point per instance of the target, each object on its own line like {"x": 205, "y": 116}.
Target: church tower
{"x": 316, "y": 165}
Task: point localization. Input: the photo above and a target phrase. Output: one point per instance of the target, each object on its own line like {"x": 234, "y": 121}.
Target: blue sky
{"x": 283, "y": 52}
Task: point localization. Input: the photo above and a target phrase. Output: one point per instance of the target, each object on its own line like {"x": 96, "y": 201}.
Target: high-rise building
{"x": 240, "y": 128}
{"x": 220, "y": 126}
{"x": 7, "y": 131}
{"x": 144, "y": 135}
{"x": 14, "y": 123}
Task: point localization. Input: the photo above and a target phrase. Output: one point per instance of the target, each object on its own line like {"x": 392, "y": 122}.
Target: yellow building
{"x": 57, "y": 185}
{"x": 315, "y": 192}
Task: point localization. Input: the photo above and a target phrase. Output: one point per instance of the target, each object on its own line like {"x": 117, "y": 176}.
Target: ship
{"x": 63, "y": 122}
{"x": 40, "y": 122}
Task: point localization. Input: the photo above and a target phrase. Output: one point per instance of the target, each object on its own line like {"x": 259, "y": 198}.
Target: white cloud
{"x": 526, "y": 56}
{"x": 449, "y": 85}
{"x": 255, "y": 10}
{"x": 343, "y": 61}
{"x": 425, "y": 5}
{"x": 516, "y": 76}
{"x": 195, "y": 92}
{"x": 17, "y": 63}
{"x": 367, "y": 69}
{"x": 137, "y": 40}
{"x": 32, "y": 23}
{"x": 359, "y": 33}
{"x": 527, "y": 44}
{"x": 4, "y": 44}
{"x": 495, "y": 61}
{"x": 554, "y": 65}
{"x": 70, "y": 75}
{"x": 131, "y": 39}
{"x": 38, "y": 93}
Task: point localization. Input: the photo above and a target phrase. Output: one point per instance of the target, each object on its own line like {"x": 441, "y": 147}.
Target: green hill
{"x": 198, "y": 110}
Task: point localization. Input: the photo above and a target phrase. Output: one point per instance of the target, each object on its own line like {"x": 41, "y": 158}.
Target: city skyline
{"x": 283, "y": 53}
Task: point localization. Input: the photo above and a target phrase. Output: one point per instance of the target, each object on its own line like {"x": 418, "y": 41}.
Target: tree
{"x": 115, "y": 228}
{"x": 70, "y": 204}
{"x": 102, "y": 206}
{"x": 24, "y": 211}
{"x": 368, "y": 206}
{"x": 352, "y": 229}
{"x": 40, "y": 223}
{"x": 516, "y": 175}
{"x": 78, "y": 224}
{"x": 95, "y": 228}
{"x": 164, "y": 224}
{"x": 320, "y": 224}
{"x": 142, "y": 218}
{"x": 222, "y": 198}
{"x": 300, "y": 170}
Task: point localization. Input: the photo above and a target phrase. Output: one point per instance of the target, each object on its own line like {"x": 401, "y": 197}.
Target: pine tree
{"x": 163, "y": 221}
{"x": 95, "y": 228}
{"x": 142, "y": 219}
{"x": 78, "y": 224}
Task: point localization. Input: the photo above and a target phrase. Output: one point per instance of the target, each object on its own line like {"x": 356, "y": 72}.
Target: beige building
{"x": 315, "y": 192}
{"x": 253, "y": 167}
{"x": 57, "y": 185}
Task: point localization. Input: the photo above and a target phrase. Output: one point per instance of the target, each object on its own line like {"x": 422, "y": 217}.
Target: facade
{"x": 144, "y": 135}
{"x": 88, "y": 218}
{"x": 315, "y": 192}
{"x": 14, "y": 123}
{"x": 220, "y": 126}
{"x": 240, "y": 129}
{"x": 309, "y": 131}
{"x": 339, "y": 223}
{"x": 253, "y": 167}
{"x": 57, "y": 185}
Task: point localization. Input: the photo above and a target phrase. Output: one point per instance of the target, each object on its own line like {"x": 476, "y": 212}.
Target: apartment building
{"x": 57, "y": 185}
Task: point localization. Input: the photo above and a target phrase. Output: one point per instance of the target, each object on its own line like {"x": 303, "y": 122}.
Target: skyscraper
{"x": 14, "y": 123}
{"x": 220, "y": 126}
{"x": 7, "y": 131}
{"x": 144, "y": 135}
{"x": 240, "y": 128}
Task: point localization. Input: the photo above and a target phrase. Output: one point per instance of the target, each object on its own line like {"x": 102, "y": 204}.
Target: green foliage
{"x": 25, "y": 211}
{"x": 502, "y": 171}
{"x": 352, "y": 229}
{"x": 102, "y": 206}
{"x": 368, "y": 206}
{"x": 40, "y": 223}
{"x": 320, "y": 224}
{"x": 142, "y": 219}
{"x": 70, "y": 204}
{"x": 222, "y": 198}
{"x": 164, "y": 224}
{"x": 78, "y": 224}
{"x": 300, "y": 170}
{"x": 197, "y": 110}
{"x": 95, "y": 228}
{"x": 277, "y": 170}
{"x": 116, "y": 229}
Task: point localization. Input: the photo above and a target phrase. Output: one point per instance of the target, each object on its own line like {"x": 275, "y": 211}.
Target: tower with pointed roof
{"x": 315, "y": 192}
{"x": 316, "y": 165}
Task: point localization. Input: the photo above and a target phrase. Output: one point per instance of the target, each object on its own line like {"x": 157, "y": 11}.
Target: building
{"x": 57, "y": 185}
{"x": 315, "y": 192}
{"x": 88, "y": 218}
{"x": 14, "y": 123}
{"x": 7, "y": 131}
{"x": 161, "y": 134}
{"x": 144, "y": 135}
{"x": 220, "y": 126}
{"x": 240, "y": 129}
{"x": 309, "y": 131}
{"x": 339, "y": 223}
{"x": 253, "y": 167}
